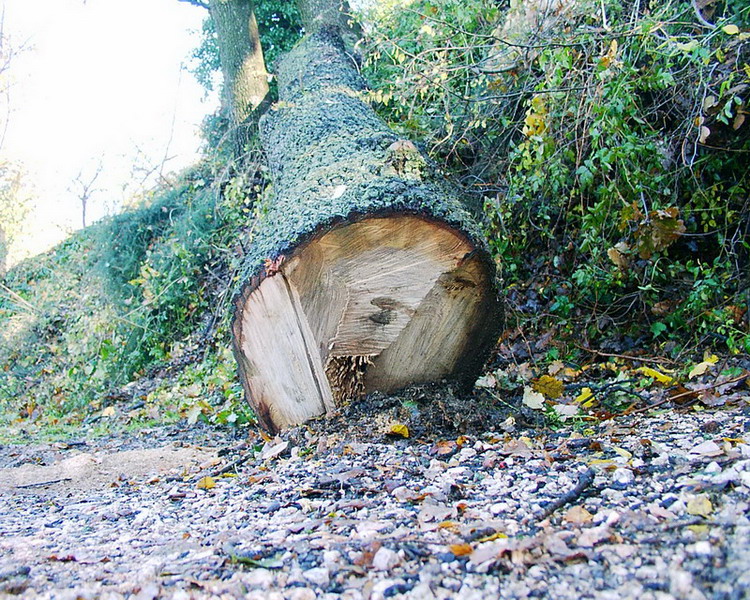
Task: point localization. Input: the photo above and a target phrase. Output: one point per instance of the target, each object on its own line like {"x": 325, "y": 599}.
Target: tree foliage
{"x": 607, "y": 144}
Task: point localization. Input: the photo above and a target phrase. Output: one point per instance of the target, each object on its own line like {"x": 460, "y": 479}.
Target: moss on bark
{"x": 333, "y": 160}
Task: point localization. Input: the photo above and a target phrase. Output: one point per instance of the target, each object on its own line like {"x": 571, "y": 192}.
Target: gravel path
{"x": 641, "y": 507}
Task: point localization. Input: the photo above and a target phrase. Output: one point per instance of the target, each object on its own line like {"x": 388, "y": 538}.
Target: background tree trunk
{"x": 241, "y": 55}
{"x": 366, "y": 273}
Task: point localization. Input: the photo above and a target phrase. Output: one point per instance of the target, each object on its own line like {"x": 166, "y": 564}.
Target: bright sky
{"x": 103, "y": 82}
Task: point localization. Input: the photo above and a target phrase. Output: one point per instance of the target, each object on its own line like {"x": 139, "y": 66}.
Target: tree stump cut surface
{"x": 373, "y": 305}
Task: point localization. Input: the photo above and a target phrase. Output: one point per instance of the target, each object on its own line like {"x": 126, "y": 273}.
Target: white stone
{"x": 623, "y": 476}
{"x": 302, "y": 594}
{"x": 318, "y": 576}
{"x": 385, "y": 559}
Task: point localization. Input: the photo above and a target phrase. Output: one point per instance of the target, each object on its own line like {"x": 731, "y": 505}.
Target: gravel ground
{"x": 641, "y": 507}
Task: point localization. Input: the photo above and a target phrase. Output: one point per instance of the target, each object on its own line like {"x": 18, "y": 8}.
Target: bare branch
{"x": 700, "y": 17}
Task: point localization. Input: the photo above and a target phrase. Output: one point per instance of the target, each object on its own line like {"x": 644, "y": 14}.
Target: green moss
{"x": 328, "y": 153}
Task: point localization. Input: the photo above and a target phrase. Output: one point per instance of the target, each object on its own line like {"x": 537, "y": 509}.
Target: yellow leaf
{"x": 622, "y": 452}
{"x": 447, "y": 525}
{"x": 699, "y": 506}
{"x": 399, "y": 429}
{"x": 549, "y": 386}
{"x": 698, "y": 529}
{"x": 731, "y": 29}
{"x": 109, "y": 411}
{"x": 207, "y": 483}
{"x": 734, "y": 440}
{"x": 657, "y": 375}
{"x": 460, "y": 549}
{"x": 494, "y": 536}
{"x": 701, "y": 368}
{"x": 585, "y": 398}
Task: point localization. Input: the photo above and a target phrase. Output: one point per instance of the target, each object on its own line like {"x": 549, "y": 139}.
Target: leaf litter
{"x": 483, "y": 499}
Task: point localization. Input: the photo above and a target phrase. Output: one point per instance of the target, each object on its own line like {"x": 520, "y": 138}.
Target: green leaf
{"x": 658, "y": 328}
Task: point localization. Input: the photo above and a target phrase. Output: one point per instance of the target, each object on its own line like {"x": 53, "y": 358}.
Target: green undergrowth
{"x": 144, "y": 297}
{"x": 608, "y": 145}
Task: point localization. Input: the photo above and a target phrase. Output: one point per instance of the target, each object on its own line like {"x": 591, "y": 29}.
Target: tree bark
{"x": 317, "y": 14}
{"x": 366, "y": 273}
{"x": 241, "y": 56}
{"x": 3, "y": 252}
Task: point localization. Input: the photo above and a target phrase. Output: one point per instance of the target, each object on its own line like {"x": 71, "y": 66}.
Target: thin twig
{"x": 43, "y": 483}
{"x": 584, "y": 481}
{"x": 628, "y": 356}
{"x": 688, "y": 393}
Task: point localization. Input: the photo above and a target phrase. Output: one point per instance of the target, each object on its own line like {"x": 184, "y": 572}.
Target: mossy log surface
{"x": 364, "y": 245}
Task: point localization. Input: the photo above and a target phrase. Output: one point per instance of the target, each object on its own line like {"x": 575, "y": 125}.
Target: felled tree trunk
{"x": 366, "y": 273}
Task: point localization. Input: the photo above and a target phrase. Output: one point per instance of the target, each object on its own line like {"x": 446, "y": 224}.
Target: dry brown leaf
{"x": 578, "y": 515}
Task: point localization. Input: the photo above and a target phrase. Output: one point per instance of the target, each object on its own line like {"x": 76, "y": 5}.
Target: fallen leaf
{"x": 566, "y": 410}
{"x": 65, "y": 558}
{"x": 555, "y": 367}
{"x": 698, "y": 530}
{"x": 699, "y": 506}
{"x": 532, "y": 399}
{"x": 272, "y": 450}
{"x": 586, "y": 398}
{"x": 192, "y": 415}
{"x": 704, "y": 133}
{"x": 443, "y": 447}
{"x": 486, "y": 381}
{"x": 682, "y": 395}
{"x": 578, "y": 515}
{"x": 517, "y": 448}
{"x": 109, "y": 411}
{"x": 622, "y": 452}
{"x": 703, "y": 367}
{"x": 731, "y": 29}
{"x": 662, "y": 378}
{"x": 399, "y": 429}
{"x": 618, "y": 258}
{"x": 550, "y": 386}
{"x": 461, "y": 549}
{"x": 206, "y": 483}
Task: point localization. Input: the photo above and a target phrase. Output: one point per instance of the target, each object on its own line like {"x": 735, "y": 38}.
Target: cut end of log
{"x": 377, "y": 304}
